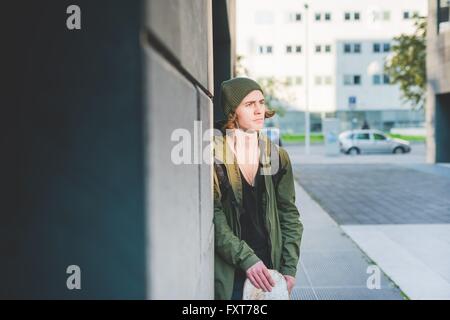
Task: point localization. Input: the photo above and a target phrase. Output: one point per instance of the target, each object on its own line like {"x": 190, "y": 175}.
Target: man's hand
{"x": 259, "y": 276}
{"x": 290, "y": 282}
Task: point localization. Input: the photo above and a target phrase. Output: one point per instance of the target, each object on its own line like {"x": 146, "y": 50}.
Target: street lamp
{"x": 307, "y": 124}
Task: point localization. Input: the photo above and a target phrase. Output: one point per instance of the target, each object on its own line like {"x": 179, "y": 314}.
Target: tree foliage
{"x": 406, "y": 66}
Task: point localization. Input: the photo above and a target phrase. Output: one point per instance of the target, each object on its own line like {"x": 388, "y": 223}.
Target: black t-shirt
{"x": 252, "y": 220}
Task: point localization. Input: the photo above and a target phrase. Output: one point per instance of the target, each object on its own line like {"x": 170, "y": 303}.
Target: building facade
{"x": 330, "y": 54}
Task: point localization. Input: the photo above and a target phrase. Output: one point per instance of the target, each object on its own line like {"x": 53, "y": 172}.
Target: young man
{"x": 257, "y": 225}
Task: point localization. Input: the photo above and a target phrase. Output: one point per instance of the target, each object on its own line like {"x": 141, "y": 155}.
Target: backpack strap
{"x": 224, "y": 183}
{"x": 225, "y": 186}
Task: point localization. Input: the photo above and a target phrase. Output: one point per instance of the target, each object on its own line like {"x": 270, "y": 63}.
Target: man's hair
{"x": 232, "y": 118}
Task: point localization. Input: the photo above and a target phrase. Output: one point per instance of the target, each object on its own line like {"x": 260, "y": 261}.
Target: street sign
{"x": 352, "y": 102}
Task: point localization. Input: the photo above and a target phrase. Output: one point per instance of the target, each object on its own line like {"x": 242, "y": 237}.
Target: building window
{"x": 318, "y": 80}
{"x": 326, "y": 16}
{"x": 348, "y": 80}
{"x": 348, "y": 16}
{"x": 288, "y": 81}
{"x": 407, "y": 15}
{"x": 378, "y": 79}
{"x": 347, "y": 48}
{"x": 352, "y": 48}
{"x": 265, "y": 49}
{"x": 443, "y": 15}
{"x": 375, "y": 16}
{"x": 376, "y": 47}
{"x": 292, "y": 49}
{"x": 293, "y": 80}
{"x": 381, "y": 16}
{"x": 295, "y": 17}
{"x": 324, "y": 48}
{"x": 322, "y": 80}
{"x": 354, "y": 79}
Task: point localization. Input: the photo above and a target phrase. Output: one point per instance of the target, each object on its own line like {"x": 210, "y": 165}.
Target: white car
{"x": 371, "y": 141}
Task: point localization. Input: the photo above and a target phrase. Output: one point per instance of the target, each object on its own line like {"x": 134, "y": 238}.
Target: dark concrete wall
{"x": 443, "y": 127}
{"x": 87, "y": 176}
{"x": 224, "y": 39}
{"x": 73, "y": 169}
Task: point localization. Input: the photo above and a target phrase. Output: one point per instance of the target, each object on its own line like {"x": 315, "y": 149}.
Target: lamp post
{"x": 307, "y": 123}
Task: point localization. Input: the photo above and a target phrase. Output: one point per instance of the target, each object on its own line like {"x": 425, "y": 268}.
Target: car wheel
{"x": 399, "y": 150}
{"x": 353, "y": 151}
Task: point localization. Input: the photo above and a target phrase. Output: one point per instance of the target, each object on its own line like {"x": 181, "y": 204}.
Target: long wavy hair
{"x": 232, "y": 119}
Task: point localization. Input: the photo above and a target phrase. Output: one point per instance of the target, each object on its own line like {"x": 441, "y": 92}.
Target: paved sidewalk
{"x": 417, "y": 258}
{"x": 331, "y": 266}
{"x": 398, "y": 214}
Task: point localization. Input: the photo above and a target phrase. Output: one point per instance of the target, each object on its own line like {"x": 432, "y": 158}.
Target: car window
{"x": 363, "y": 136}
{"x": 378, "y": 136}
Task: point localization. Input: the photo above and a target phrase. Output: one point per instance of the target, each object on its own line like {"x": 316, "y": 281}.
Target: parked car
{"x": 371, "y": 141}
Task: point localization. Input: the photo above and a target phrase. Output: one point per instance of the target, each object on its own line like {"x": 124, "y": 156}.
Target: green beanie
{"x": 233, "y": 91}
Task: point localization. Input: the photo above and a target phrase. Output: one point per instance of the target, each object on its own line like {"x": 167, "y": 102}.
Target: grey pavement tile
{"x": 303, "y": 294}
{"x": 338, "y": 269}
{"x": 378, "y": 193}
{"x": 302, "y": 279}
{"x": 356, "y": 294}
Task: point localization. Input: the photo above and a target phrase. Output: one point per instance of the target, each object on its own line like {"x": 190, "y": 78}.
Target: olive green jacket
{"x": 282, "y": 219}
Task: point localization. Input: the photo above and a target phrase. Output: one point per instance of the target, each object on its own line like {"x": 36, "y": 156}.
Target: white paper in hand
{"x": 279, "y": 292}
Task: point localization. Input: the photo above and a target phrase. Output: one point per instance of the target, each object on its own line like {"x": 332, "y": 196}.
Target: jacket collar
{"x": 224, "y": 154}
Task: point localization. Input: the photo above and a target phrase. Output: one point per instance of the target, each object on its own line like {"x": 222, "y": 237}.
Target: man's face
{"x": 251, "y": 111}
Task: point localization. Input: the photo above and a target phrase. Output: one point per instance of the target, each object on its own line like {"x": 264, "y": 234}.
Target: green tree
{"x": 406, "y": 66}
